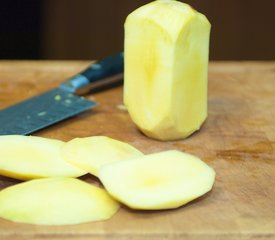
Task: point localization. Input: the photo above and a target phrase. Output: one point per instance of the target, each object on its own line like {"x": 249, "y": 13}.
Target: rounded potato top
{"x": 170, "y": 15}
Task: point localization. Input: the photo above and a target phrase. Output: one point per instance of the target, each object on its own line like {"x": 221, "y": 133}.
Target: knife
{"x": 62, "y": 102}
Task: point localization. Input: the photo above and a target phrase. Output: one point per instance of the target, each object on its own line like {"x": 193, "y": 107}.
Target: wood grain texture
{"x": 237, "y": 140}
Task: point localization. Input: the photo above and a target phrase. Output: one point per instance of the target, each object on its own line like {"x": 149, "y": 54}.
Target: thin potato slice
{"x": 92, "y": 153}
{"x": 162, "y": 180}
{"x": 56, "y": 201}
{"x": 28, "y": 157}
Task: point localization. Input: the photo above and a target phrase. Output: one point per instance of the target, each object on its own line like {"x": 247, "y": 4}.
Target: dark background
{"x": 90, "y": 29}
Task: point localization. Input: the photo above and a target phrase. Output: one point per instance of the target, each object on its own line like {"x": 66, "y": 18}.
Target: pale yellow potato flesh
{"x": 92, "y": 153}
{"x": 29, "y": 157}
{"x": 162, "y": 180}
{"x": 56, "y": 201}
{"x": 166, "y": 69}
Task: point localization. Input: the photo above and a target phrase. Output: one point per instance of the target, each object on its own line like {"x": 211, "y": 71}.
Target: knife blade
{"x": 63, "y": 102}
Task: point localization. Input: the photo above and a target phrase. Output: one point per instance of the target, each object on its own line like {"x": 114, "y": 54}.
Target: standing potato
{"x": 166, "y": 66}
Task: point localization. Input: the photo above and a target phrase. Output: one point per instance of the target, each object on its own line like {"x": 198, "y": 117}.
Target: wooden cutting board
{"x": 237, "y": 140}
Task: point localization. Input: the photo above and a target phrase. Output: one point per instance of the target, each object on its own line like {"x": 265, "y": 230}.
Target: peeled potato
{"x": 92, "y": 153}
{"x": 56, "y": 201}
{"x": 162, "y": 180}
{"x": 166, "y": 68}
{"x": 28, "y": 157}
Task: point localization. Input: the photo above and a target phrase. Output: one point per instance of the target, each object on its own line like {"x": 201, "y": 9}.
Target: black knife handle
{"x": 101, "y": 73}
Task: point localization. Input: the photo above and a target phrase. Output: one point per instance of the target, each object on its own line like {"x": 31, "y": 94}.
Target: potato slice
{"x": 28, "y": 157}
{"x": 166, "y": 68}
{"x": 92, "y": 153}
{"x": 56, "y": 201}
{"x": 162, "y": 180}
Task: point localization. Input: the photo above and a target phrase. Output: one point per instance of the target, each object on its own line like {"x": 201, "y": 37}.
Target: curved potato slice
{"x": 56, "y": 201}
{"x": 28, "y": 157}
{"x": 92, "y": 153}
{"x": 162, "y": 180}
